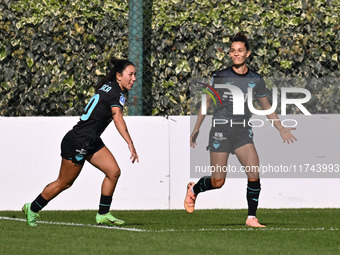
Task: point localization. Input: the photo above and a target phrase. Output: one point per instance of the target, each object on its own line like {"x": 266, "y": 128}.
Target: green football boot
{"x": 31, "y": 216}
{"x": 108, "y": 219}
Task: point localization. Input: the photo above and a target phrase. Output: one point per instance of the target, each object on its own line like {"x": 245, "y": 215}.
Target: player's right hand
{"x": 134, "y": 155}
{"x": 193, "y": 138}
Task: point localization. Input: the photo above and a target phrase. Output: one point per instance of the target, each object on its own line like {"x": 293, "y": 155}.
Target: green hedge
{"x": 52, "y": 52}
{"x": 52, "y": 55}
{"x": 288, "y": 39}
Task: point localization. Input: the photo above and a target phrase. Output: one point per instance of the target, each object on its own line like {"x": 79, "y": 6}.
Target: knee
{"x": 115, "y": 174}
{"x": 217, "y": 182}
{"x": 252, "y": 171}
{"x": 64, "y": 185}
{"x": 253, "y": 176}
{"x": 67, "y": 185}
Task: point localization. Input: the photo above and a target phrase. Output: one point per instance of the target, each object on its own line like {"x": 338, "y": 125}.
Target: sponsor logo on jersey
{"x": 251, "y": 84}
{"x": 122, "y": 100}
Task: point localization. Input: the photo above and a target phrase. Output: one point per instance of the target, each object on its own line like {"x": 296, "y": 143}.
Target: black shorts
{"x": 223, "y": 138}
{"x": 72, "y": 149}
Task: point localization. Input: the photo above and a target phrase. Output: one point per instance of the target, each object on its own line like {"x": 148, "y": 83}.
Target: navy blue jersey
{"x": 243, "y": 81}
{"x": 97, "y": 114}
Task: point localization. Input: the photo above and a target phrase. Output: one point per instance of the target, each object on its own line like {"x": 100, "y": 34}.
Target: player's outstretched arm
{"x": 285, "y": 133}
{"x": 287, "y": 136}
{"x": 120, "y": 124}
{"x": 198, "y": 124}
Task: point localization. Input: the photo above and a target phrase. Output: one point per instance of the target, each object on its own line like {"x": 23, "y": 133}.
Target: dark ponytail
{"x": 241, "y": 37}
{"x": 116, "y": 66}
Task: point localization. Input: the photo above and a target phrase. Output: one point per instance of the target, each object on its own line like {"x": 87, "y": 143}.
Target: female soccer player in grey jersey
{"x": 83, "y": 142}
{"x": 234, "y": 135}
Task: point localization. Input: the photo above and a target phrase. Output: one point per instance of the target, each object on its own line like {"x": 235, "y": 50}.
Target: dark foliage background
{"x": 53, "y": 52}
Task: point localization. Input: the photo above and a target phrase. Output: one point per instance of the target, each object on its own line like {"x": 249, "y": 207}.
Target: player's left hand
{"x": 287, "y": 136}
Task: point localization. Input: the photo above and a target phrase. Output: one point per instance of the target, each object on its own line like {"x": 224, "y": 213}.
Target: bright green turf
{"x": 289, "y": 231}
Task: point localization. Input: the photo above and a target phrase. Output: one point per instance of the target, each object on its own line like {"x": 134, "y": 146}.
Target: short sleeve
{"x": 260, "y": 88}
{"x": 116, "y": 100}
{"x": 215, "y": 79}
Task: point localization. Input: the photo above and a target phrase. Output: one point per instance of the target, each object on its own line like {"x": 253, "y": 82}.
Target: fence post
{"x": 135, "y": 100}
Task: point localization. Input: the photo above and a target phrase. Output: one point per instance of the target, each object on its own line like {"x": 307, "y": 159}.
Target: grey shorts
{"x": 224, "y": 138}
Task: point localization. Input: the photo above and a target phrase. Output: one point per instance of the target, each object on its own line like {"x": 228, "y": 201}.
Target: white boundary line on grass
{"x": 176, "y": 230}
{"x": 248, "y": 229}
{"x": 76, "y": 224}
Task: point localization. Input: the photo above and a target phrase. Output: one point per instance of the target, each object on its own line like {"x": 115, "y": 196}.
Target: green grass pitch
{"x": 289, "y": 231}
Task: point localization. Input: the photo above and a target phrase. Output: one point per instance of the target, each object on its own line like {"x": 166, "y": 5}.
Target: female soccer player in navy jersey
{"x": 233, "y": 134}
{"x": 83, "y": 143}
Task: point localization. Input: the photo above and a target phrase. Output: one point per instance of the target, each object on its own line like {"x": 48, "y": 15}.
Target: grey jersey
{"x": 242, "y": 81}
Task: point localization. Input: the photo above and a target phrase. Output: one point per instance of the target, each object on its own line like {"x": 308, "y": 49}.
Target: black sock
{"x": 202, "y": 185}
{"x": 38, "y": 204}
{"x": 253, "y": 192}
{"x": 105, "y": 203}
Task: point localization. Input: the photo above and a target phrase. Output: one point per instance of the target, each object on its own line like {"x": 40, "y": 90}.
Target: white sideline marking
{"x": 77, "y": 224}
{"x": 248, "y": 229}
{"x": 176, "y": 230}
